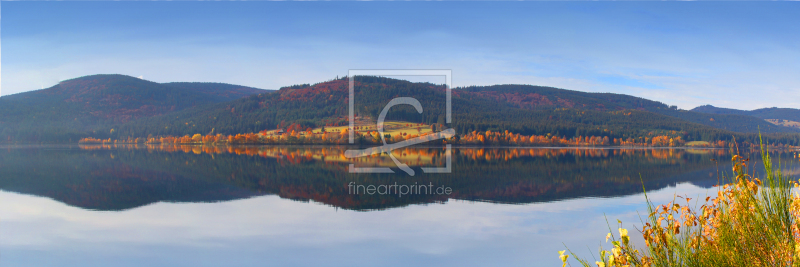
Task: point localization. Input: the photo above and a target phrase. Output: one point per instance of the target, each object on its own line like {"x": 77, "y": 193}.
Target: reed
{"x": 751, "y": 222}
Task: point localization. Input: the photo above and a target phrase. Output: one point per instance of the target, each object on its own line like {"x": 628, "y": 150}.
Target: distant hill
{"x": 764, "y": 113}
{"x": 538, "y": 97}
{"x": 222, "y": 92}
{"x": 76, "y": 107}
{"x": 520, "y": 109}
{"x": 118, "y": 106}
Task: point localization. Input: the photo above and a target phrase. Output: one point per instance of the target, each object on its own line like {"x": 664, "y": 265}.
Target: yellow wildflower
{"x": 607, "y": 237}
{"x": 563, "y": 257}
{"x": 623, "y": 235}
{"x": 600, "y": 264}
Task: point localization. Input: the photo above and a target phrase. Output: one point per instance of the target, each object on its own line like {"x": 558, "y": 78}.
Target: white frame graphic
{"x": 401, "y": 100}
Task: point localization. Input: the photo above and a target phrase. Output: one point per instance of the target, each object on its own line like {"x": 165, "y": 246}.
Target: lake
{"x": 152, "y": 205}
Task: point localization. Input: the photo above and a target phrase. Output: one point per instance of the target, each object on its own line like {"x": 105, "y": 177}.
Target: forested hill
{"x": 118, "y": 106}
{"x": 78, "y": 107}
{"x": 539, "y": 97}
{"x": 221, "y": 92}
{"x": 764, "y": 113}
{"x": 325, "y": 104}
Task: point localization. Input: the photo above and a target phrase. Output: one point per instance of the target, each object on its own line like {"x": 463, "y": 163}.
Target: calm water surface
{"x": 292, "y": 206}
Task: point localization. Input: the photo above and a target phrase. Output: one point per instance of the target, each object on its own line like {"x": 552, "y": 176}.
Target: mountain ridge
{"x": 540, "y": 97}
{"x": 325, "y": 104}
{"x": 763, "y": 113}
{"x": 119, "y": 106}
{"x": 86, "y": 104}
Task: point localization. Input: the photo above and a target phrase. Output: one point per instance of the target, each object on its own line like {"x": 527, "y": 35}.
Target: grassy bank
{"x": 750, "y": 222}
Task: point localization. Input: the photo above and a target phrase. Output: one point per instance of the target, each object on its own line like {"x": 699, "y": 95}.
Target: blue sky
{"x": 730, "y": 54}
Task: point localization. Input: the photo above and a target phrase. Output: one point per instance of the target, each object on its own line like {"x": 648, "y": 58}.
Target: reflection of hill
{"x": 109, "y": 178}
{"x": 94, "y": 180}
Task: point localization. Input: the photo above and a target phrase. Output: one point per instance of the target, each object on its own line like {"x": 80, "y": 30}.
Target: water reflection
{"x": 413, "y": 156}
{"x": 250, "y": 232}
{"x": 118, "y": 177}
{"x": 247, "y": 206}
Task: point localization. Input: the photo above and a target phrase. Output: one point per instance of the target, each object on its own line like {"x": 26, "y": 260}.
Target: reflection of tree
{"x": 138, "y": 175}
{"x": 100, "y": 180}
{"x": 416, "y": 155}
